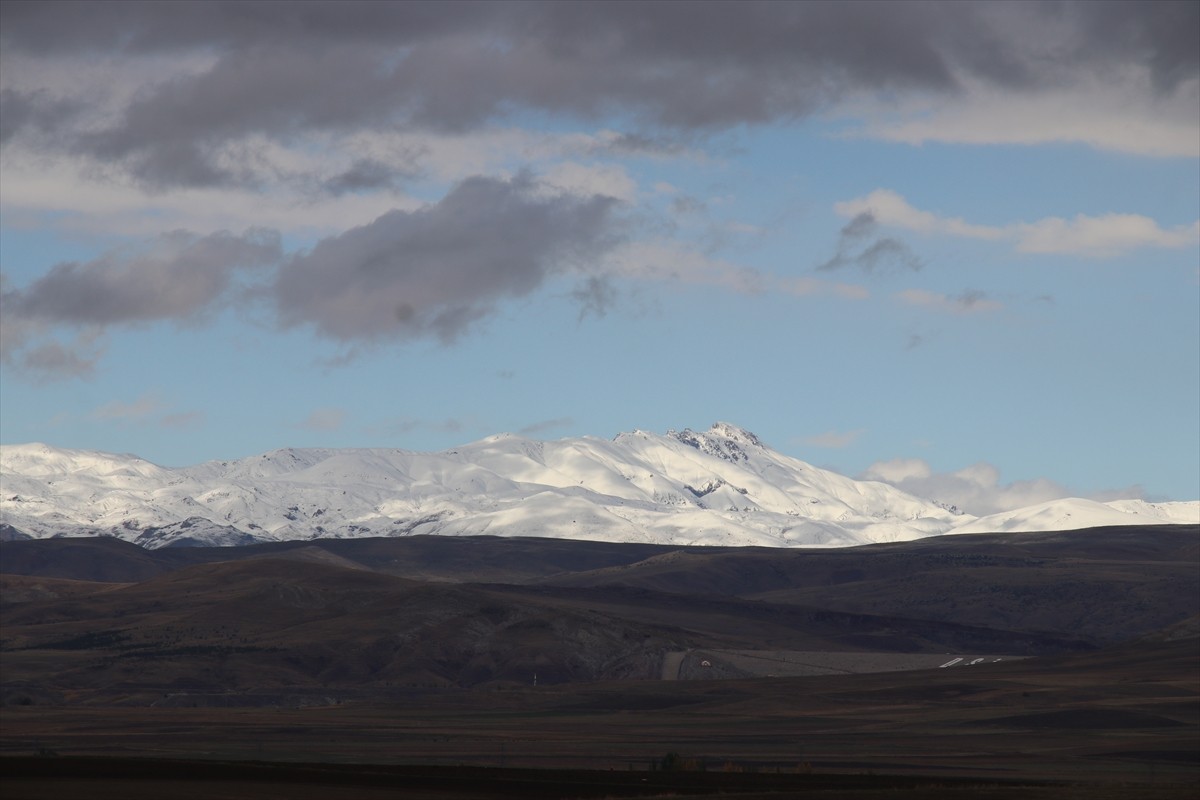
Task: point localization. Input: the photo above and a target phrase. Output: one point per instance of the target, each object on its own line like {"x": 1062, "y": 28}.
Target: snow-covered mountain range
{"x": 719, "y": 487}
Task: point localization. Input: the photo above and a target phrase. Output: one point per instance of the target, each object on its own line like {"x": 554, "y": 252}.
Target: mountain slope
{"x": 1074, "y": 513}
{"x": 719, "y": 487}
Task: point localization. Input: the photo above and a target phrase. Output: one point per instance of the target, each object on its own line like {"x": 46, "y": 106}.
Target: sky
{"x": 953, "y": 246}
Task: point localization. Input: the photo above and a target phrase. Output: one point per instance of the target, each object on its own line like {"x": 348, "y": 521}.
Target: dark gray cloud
{"x": 683, "y": 68}
{"x": 37, "y": 112}
{"x": 172, "y": 134}
{"x": 177, "y": 276}
{"x": 437, "y": 270}
{"x": 859, "y": 247}
{"x": 52, "y": 360}
{"x": 367, "y": 174}
{"x": 1165, "y": 35}
{"x": 137, "y": 27}
{"x": 645, "y": 144}
{"x": 425, "y": 273}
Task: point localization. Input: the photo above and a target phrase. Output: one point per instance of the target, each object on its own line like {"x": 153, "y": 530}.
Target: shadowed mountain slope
{"x": 435, "y": 558}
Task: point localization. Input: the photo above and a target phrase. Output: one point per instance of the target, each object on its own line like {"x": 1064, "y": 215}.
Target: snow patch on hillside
{"x": 722, "y": 486}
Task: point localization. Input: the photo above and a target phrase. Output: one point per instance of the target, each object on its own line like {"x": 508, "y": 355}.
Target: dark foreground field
{"x": 134, "y": 779}
{"x": 1099, "y": 723}
{"x": 360, "y": 670}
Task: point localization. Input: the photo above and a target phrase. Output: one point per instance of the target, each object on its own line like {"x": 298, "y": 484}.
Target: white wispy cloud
{"x": 1109, "y": 234}
{"x": 1099, "y": 236}
{"x": 977, "y": 489}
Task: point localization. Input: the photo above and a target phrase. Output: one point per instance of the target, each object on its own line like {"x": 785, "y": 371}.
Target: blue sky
{"x": 952, "y": 246}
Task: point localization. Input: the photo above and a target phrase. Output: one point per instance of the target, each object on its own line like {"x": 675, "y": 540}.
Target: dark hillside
{"x": 1105, "y": 585}
{"x": 436, "y": 558}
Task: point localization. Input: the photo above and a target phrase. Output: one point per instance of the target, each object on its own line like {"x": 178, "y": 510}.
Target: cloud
{"x": 298, "y": 70}
{"x": 438, "y": 270}
{"x": 75, "y": 196}
{"x": 323, "y": 419}
{"x": 835, "y": 439}
{"x": 608, "y": 180}
{"x": 367, "y": 174}
{"x": 1100, "y": 236}
{"x": 640, "y": 144}
{"x": 885, "y": 207}
{"x": 858, "y": 246}
{"x": 52, "y": 360}
{"x": 176, "y": 276}
{"x": 975, "y": 489}
{"x": 971, "y": 301}
{"x": 1120, "y": 111}
{"x": 37, "y": 112}
{"x": 1109, "y": 234}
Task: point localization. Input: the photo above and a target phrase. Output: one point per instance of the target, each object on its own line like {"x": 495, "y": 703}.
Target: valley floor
{"x": 1091, "y": 725}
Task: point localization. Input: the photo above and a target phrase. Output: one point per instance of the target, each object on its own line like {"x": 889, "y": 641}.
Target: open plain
{"x": 1024, "y": 665}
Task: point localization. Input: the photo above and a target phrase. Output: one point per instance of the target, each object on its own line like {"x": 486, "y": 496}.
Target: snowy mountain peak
{"x": 722, "y": 440}
{"x": 719, "y": 487}
{"x": 727, "y": 430}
